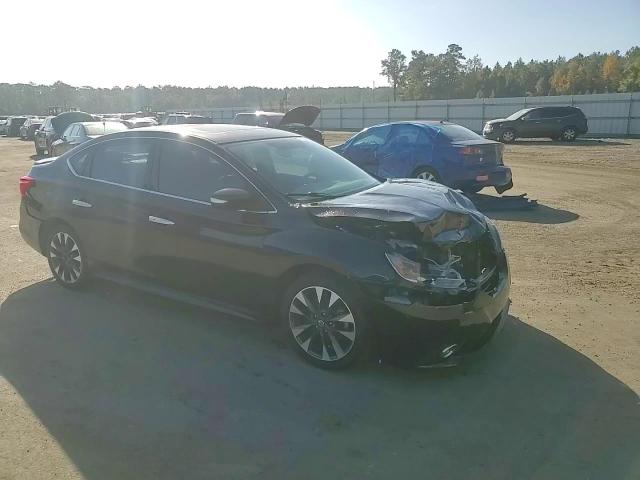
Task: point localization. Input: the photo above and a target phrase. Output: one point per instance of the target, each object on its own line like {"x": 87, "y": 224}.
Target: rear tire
{"x": 425, "y": 173}
{"x": 66, "y": 256}
{"x": 568, "y": 134}
{"x": 508, "y": 136}
{"x": 324, "y": 320}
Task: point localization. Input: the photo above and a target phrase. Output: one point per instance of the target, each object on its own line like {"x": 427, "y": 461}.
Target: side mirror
{"x": 231, "y": 197}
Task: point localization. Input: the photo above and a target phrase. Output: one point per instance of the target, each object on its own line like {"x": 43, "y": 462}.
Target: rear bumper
{"x": 411, "y": 331}
{"x": 30, "y": 228}
{"x": 494, "y": 176}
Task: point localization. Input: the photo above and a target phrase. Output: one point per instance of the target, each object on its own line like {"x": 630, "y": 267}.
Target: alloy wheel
{"x": 427, "y": 175}
{"x": 322, "y": 324}
{"x": 65, "y": 258}
{"x": 508, "y": 136}
{"x": 569, "y": 134}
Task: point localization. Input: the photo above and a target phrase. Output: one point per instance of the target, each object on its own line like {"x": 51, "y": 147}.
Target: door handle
{"x": 81, "y": 203}
{"x": 161, "y": 221}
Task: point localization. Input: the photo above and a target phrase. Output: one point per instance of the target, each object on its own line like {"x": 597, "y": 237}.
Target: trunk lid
{"x": 480, "y": 152}
{"x": 304, "y": 115}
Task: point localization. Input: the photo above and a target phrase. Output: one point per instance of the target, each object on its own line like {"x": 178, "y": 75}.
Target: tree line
{"x": 452, "y": 75}
{"x": 424, "y": 76}
{"x": 36, "y": 99}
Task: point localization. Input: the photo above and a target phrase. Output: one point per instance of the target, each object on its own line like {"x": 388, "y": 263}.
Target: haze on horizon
{"x": 287, "y": 43}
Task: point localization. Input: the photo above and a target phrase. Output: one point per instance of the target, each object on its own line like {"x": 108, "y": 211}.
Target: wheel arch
{"x": 46, "y": 227}
{"x": 288, "y": 276}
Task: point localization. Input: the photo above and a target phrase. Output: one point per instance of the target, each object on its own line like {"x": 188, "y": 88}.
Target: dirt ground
{"x": 109, "y": 383}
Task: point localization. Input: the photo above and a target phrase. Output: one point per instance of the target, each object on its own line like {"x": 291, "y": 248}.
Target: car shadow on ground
{"x": 520, "y": 209}
{"x": 540, "y": 214}
{"x": 581, "y": 142}
{"x": 35, "y": 157}
{"x": 132, "y": 386}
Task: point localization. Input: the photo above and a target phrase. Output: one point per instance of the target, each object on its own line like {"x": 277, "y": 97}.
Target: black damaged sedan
{"x": 265, "y": 223}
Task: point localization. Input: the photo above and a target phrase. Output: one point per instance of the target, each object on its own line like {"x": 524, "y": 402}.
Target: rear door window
{"x": 81, "y": 162}
{"x": 557, "y": 112}
{"x": 124, "y": 162}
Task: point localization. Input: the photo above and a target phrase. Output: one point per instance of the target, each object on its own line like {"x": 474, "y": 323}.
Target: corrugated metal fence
{"x": 615, "y": 114}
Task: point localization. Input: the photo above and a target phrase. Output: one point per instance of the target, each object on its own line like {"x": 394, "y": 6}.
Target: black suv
{"x": 255, "y": 220}
{"x": 558, "y": 123}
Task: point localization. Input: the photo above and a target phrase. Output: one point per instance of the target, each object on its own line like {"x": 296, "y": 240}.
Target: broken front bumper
{"x": 411, "y": 329}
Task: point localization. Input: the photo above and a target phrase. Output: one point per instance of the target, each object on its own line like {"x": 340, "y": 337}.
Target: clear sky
{"x": 273, "y": 43}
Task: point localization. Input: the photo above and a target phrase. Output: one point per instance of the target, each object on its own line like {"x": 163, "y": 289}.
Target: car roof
{"x": 219, "y": 133}
{"x": 419, "y": 123}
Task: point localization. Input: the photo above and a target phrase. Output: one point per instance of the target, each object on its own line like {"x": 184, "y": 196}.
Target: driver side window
{"x": 375, "y": 136}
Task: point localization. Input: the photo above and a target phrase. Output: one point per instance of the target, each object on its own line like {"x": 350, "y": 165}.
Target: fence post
{"x": 572, "y": 100}
{"x": 388, "y": 111}
{"x": 482, "y": 115}
{"x": 341, "y": 116}
{"x": 415, "y": 114}
{"x": 447, "y": 116}
{"x": 629, "y": 114}
{"x": 363, "y": 113}
{"x": 321, "y": 116}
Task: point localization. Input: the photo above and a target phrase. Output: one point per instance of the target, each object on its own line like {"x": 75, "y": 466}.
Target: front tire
{"x": 324, "y": 320}
{"x": 508, "y": 136}
{"x": 66, "y": 257}
{"x": 569, "y": 134}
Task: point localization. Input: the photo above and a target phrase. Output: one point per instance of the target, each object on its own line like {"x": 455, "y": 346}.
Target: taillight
{"x": 470, "y": 151}
{"x": 26, "y": 182}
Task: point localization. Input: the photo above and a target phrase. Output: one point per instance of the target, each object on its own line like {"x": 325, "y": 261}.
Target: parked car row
{"x": 10, "y": 126}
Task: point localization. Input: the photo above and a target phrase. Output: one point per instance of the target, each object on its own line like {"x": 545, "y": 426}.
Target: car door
{"x": 111, "y": 201}
{"x": 362, "y": 150}
{"x": 219, "y": 248}
{"x": 531, "y": 124}
{"x": 398, "y": 156}
{"x": 555, "y": 120}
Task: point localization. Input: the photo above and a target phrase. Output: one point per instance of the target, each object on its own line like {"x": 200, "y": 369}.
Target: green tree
{"x": 394, "y": 68}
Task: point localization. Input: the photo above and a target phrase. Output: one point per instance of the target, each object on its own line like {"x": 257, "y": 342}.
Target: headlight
{"x": 488, "y": 127}
{"x": 407, "y": 269}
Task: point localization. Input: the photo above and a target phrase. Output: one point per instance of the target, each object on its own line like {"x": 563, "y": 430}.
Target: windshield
{"x": 518, "y": 114}
{"x": 299, "y": 167}
{"x": 456, "y": 133}
{"x": 102, "y": 128}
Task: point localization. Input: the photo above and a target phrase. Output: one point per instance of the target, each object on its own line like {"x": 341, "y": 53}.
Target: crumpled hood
{"x": 440, "y": 214}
